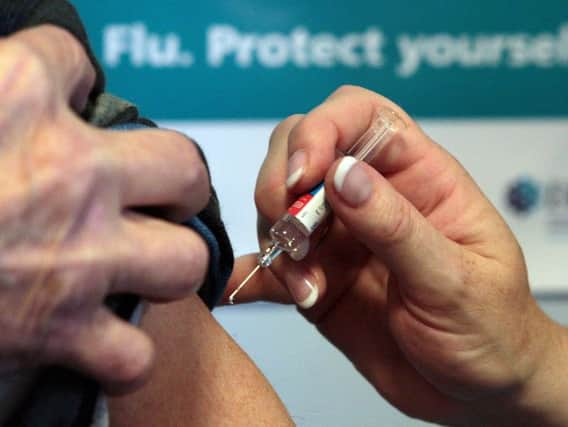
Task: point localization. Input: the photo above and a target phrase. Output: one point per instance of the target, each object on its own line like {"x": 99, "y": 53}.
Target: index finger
{"x": 339, "y": 122}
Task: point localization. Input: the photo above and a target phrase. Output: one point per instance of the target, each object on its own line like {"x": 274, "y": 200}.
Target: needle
{"x": 242, "y": 285}
{"x": 264, "y": 261}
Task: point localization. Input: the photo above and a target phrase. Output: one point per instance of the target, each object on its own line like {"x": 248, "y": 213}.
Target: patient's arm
{"x": 202, "y": 377}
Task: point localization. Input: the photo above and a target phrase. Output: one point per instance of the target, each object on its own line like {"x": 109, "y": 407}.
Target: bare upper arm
{"x": 201, "y": 377}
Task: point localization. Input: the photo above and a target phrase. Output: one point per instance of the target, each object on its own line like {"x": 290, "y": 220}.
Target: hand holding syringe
{"x": 419, "y": 282}
{"x": 291, "y": 233}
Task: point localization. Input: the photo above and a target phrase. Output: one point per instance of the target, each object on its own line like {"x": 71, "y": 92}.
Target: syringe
{"x": 291, "y": 233}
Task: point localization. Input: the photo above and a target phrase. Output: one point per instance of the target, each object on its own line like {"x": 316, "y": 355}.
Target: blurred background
{"x": 486, "y": 80}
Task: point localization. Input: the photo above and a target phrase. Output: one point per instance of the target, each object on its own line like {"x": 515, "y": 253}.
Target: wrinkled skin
{"x": 68, "y": 233}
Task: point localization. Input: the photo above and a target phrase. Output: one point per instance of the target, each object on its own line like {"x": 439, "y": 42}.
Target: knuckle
{"x": 181, "y": 142}
{"x": 300, "y": 133}
{"x": 292, "y": 120}
{"x": 397, "y": 223}
{"x": 34, "y": 313}
{"x": 196, "y": 265}
{"x": 366, "y": 97}
{"x": 25, "y": 75}
{"x": 75, "y": 50}
{"x": 58, "y": 198}
{"x": 71, "y": 43}
{"x": 70, "y": 169}
{"x": 313, "y": 134}
{"x": 264, "y": 197}
{"x": 283, "y": 129}
{"x": 195, "y": 187}
{"x": 90, "y": 164}
{"x": 346, "y": 90}
{"x": 66, "y": 165}
{"x": 129, "y": 368}
{"x": 190, "y": 256}
{"x": 67, "y": 286}
{"x": 13, "y": 215}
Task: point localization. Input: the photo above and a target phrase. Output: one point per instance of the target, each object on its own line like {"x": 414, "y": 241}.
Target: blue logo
{"x": 523, "y": 195}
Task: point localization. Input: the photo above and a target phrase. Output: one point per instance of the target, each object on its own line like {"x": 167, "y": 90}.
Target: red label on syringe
{"x": 311, "y": 208}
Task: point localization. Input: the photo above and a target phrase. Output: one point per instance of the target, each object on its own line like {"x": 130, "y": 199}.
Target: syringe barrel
{"x": 291, "y": 233}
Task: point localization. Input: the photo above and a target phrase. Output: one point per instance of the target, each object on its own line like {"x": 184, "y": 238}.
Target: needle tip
{"x": 244, "y": 282}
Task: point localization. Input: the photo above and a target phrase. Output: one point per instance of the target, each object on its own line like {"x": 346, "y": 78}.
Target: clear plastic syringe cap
{"x": 385, "y": 124}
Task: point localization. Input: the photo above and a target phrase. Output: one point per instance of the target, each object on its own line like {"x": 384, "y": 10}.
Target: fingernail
{"x": 296, "y": 165}
{"x": 303, "y": 290}
{"x": 352, "y": 181}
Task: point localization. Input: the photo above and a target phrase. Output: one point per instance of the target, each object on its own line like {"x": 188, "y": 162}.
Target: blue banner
{"x": 267, "y": 59}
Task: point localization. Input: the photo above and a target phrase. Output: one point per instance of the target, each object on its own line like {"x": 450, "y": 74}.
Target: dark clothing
{"x": 61, "y": 397}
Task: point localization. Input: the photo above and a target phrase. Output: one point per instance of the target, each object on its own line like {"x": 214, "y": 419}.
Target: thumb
{"x": 425, "y": 263}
